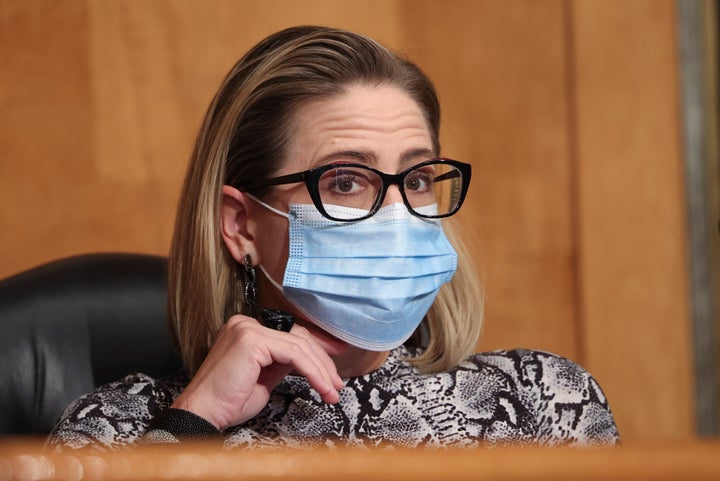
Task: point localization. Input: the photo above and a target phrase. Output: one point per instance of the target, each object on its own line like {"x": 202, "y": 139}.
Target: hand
{"x": 246, "y": 362}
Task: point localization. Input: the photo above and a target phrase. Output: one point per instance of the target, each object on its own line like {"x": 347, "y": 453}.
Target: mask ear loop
{"x": 268, "y": 206}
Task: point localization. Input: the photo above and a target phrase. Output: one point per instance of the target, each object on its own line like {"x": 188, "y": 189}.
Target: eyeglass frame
{"x": 311, "y": 179}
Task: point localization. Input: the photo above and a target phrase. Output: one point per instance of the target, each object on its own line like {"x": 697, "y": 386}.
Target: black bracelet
{"x": 183, "y": 425}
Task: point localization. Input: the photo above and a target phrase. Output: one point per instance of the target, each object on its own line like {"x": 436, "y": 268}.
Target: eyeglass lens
{"x": 430, "y": 189}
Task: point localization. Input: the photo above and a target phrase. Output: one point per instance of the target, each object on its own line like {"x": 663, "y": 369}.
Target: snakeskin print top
{"x": 501, "y": 397}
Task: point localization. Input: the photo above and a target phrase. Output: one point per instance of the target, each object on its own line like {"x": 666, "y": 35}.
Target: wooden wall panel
{"x": 500, "y": 70}
{"x": 45, "y": 158}
{"x": 100, "y": 103}
{"x": 632, "y": 215}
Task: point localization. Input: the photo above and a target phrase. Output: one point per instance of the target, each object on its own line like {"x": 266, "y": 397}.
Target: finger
{"x": 337, "y": 381}
{"x": 297, "y": 352}
{"x": 319, "y": 355}
{"x": 300, "y": 336}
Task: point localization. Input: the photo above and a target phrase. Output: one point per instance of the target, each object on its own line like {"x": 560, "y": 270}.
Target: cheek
{"x": 272, "y": 245}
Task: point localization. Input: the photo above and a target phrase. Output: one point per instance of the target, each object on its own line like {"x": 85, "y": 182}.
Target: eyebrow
{"x": 371, "y": 159}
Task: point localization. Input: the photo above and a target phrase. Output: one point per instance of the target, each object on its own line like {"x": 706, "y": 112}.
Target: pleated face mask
{"x": 370, "y": 282}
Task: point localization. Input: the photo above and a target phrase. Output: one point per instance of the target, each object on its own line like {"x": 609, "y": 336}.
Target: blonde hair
{"x": 243, "y": 140}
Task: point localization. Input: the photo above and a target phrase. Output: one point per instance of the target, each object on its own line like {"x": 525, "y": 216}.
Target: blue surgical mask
{"x": 370, "y": 282}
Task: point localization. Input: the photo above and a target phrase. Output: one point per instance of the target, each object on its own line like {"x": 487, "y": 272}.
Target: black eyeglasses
{"x": 349, "y": 192}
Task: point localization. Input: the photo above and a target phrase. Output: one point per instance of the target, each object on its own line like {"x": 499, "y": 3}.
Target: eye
{"x": 346, "y": 184}
{"x": 345, "y": 181}
{"x": 419, "y": 181}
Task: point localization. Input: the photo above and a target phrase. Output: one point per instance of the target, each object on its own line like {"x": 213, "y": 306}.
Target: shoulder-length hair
{"x": 243, "y": 139}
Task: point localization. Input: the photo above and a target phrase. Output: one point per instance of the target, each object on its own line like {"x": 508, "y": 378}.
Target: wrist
{"x": 188, "y": 403}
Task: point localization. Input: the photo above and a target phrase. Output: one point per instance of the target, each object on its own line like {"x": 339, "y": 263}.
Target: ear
{"x": 235, "y": 225}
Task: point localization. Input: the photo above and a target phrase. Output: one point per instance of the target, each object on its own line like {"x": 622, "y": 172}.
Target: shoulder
{"x": 535, "y": 369}
{"x": 569, "y": 405}
{"x": 115, "y": 414}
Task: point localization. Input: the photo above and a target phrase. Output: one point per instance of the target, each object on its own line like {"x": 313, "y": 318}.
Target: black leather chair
{"x": 71, "y": 325}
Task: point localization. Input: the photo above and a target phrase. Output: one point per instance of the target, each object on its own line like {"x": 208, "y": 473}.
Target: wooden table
{"x": 26, "y": 460}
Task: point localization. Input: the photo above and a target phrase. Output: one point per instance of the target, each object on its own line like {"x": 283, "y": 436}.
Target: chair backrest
{"x": 71, "y": 325}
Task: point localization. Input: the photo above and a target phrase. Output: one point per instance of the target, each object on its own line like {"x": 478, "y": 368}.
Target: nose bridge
{"x": 393, "y": 194}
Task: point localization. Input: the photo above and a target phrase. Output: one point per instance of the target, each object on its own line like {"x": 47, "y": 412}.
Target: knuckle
{"x": 237, "y": 319}
{"x": 300, "y": 330}
{"x": 295, "y": 349}
{"x": 245, "y": 330}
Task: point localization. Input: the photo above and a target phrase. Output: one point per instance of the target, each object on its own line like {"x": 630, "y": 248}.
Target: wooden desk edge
{"x": 27, "y": 460}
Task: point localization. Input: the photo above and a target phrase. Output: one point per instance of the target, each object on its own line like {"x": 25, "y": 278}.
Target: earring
{"x": 249, "y": 283}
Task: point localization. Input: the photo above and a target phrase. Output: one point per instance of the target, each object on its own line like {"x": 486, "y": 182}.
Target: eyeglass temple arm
{"x": 284, "y": 179}
{"x": 453, "y": 174}
{"x": 287, "y": 179}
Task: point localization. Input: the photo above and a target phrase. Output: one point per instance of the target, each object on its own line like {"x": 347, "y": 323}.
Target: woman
{"x": 308, "y": 250}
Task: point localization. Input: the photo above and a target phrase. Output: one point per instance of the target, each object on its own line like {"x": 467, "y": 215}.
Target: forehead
{"x": 379, "y": 121}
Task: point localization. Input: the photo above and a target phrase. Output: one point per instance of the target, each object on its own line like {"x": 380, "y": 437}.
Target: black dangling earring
{"x": 270, "y": 318}
{"x": 250, "y": 289}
